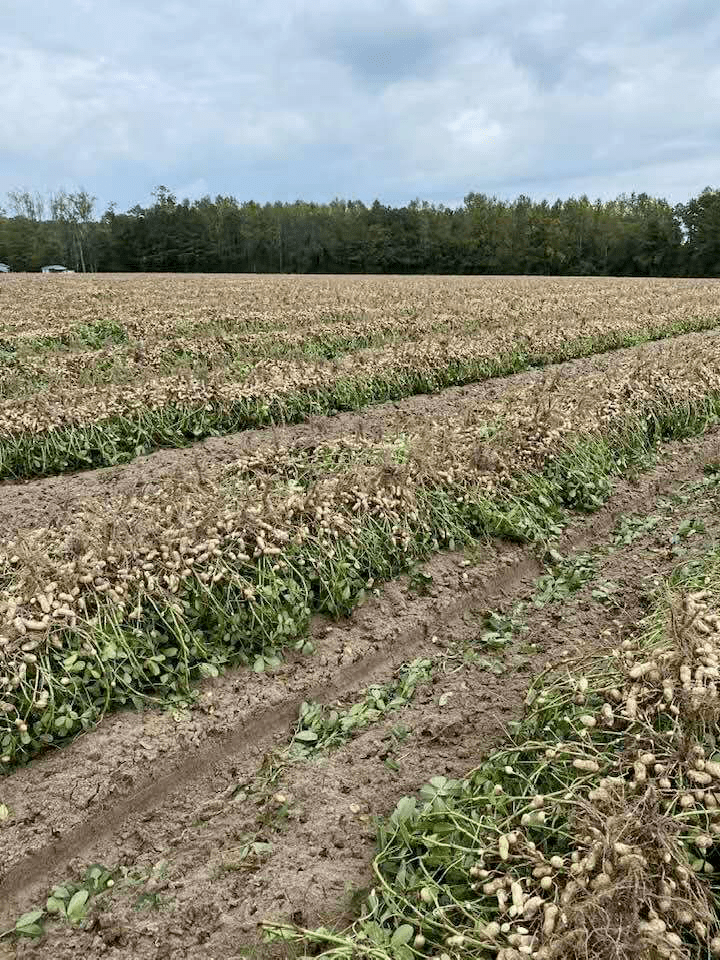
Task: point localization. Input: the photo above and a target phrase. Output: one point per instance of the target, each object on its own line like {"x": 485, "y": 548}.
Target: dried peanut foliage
{"x": 175, "y": 358}
{"x": 593, "y": 834}
{"x": 135, "y": 596}
{"x": 155, "y": 306}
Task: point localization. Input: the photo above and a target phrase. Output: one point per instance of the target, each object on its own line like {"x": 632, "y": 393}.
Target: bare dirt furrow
{"x": 132, "y": 788}
{"x": 49, "y": 501}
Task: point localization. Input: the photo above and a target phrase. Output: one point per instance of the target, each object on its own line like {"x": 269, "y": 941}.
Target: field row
{"x": 160, "y": 306}
{"x": 47, "y": 433}
{"x": 96, "y": 370}
{"x": 261, "y": 800}
{"x": 233, "y": 356}
{"x": 94, "y": 332}
{"x": 138, "y": 594}
{"x": 591, "y": 833}
{"x": 33, "y": 368}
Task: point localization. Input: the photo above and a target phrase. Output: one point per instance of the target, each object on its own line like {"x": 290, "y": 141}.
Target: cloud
{"x": 360, "y": 98}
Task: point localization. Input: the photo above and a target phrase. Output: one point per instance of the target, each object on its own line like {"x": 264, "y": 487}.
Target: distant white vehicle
{"x": 56, "y": 268}
{"x": 4, "y": 268}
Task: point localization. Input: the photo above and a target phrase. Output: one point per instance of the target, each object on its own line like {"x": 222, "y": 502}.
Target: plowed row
{"x": 208, "y": 826}
{"x": 308, "y": 581}
{"x": 142, "y": 595}
{"x": 325, "y": 346}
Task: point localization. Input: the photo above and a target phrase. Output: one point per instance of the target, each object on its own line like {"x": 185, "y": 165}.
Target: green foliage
{"x": 321, "y": 728}
{"x": 67, "y": 901}
{"x": 634, "y": 235}
{"x": 633, "y": 528}
{"x": 502, "y": 628}
{"x": 564, "y": 578}
{"x": 95, "y": 335}
{"x": 443, "y": 854}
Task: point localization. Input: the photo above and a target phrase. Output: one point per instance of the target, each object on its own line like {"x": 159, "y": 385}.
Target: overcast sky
{"x": 287, "y": 99}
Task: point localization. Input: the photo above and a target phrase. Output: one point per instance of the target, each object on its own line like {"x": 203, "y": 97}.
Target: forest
{"x": 632, "y": 235}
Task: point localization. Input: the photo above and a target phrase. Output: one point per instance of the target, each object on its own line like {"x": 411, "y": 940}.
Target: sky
{"x": 360, "y": 99}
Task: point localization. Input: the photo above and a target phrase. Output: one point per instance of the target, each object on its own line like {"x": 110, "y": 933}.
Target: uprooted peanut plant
{"x": 593, "y": 835}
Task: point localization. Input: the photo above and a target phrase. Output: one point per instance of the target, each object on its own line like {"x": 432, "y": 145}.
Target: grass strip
{"x": 25, "y": 373}
{"x": 121, "y": 438}
{"x": 321, "y": 728}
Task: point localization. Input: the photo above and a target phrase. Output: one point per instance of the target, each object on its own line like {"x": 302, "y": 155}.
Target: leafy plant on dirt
{"x": 320, "y": 727}
{"x": 247, "y": 856}
{"x": 688, "y": 528}
{"x": 606, "y": 592}
{"x": 268, "y": 661}
{"x": 565, "y": 577}
{"x": 68, "y": 901}
{"x": 630, "y": 529}
{"x": 469, "y": 653}
{"x": 151, "y": 900}
{"x": 502, "y": 628}
{"x": 420, "y": 582}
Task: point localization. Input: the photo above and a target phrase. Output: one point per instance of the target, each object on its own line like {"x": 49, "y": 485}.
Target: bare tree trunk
{"x": 82, "y": 255}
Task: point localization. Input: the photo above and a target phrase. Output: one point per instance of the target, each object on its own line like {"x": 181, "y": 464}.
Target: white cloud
{"x": 360, "y": 98}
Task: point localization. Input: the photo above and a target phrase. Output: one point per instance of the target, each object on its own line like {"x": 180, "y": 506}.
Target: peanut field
{"x": 370, "y": 617}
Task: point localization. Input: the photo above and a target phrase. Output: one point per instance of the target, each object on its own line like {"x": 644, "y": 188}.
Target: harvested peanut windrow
{"x": 620, "y": 864}
{"x": 189, "y": 545}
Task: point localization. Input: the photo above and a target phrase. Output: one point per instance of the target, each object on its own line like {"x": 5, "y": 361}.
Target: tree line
{"x": 635, "y": 235}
